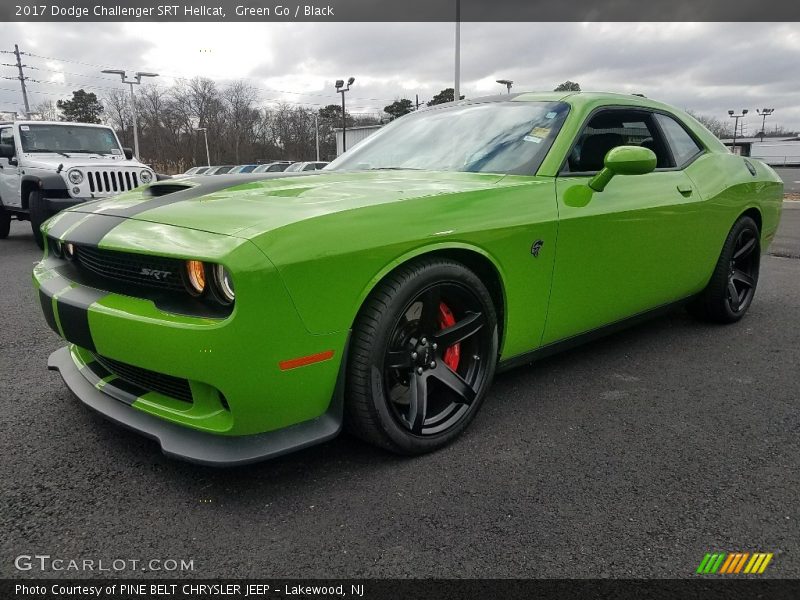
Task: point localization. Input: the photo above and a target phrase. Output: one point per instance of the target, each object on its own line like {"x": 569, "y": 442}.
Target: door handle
{"x": 685, "y": 189}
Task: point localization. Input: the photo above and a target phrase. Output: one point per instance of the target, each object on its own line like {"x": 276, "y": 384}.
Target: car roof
{"x": 576, "y": 99}
{"x": 70, "y": 123}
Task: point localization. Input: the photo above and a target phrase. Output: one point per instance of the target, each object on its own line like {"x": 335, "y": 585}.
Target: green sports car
{"x": 237, "y": 318}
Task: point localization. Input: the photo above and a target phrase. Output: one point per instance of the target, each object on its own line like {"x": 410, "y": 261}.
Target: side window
{"x": 7, "y": 136}
{"x": 611, "y": 128}
{"x": 683, "y": 146}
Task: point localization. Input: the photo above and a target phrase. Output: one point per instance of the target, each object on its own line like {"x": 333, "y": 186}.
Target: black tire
{"x": 395, "y": 360}
{"x": 730, "y": 291}
{"x": 5, "y": 223}
{"x": 39, "y": 214}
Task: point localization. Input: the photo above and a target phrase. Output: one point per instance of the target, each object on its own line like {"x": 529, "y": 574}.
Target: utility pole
{"x": 457, "y": 85}
{"x": 22, "y": 79}
{"x": 417, "y": 102}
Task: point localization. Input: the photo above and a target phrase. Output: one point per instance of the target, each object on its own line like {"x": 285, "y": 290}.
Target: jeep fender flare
{"x": 48, "y": 183}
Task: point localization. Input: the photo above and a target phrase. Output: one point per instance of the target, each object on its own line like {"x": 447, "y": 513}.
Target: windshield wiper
{"x": 53, "y": 151}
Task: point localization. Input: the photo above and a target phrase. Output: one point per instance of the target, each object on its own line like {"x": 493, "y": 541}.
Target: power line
{"x": 356, "y": 110}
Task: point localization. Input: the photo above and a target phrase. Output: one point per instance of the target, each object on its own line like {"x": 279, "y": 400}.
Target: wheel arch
{"x": 476, "y": 259}
{"x": 28, "y": 185}
{"x": 754, "y": 213}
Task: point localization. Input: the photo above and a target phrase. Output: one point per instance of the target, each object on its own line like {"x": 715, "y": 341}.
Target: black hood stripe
{"x": 96, "y": 228}
{"x": 66, "y": 221}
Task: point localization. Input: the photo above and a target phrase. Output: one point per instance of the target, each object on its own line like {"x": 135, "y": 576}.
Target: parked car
{"x": 305, "y": 166}
{"x": 242, "y": 169}
{"x": 219, "y": 170}
{"x": 194, "y": 171}
{"x": 387, "y": 290}
{"x": 273, "y": 167}
{"x": 47, "y": 166}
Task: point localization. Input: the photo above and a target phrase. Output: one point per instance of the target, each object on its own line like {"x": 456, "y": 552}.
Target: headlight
{"x": 196, "y": 276}
{"x": 223, "y": 284}
{"x": 75, "y": 176}
{"x": 145, "y": 176}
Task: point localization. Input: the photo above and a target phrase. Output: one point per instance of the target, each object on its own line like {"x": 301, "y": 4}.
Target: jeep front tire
{"x": 5, "y": 223}
{"x": 39, "y": 214}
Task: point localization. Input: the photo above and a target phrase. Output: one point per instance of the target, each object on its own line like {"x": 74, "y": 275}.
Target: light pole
{"x": 316, "y": 130}
{"x": 764, "y": 112}
{"x": 205, "y": 135}
{"x": 137, "y": 79}
{"x": 457, "y": 82}
{"x": 506, "y": 82}
{"x": 341, "y": 89}
{"x": 733, "y": 115}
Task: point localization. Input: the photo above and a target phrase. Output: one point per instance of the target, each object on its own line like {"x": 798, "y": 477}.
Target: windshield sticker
{"x": 540, "y": 132}
{"x": 116, "y": 151}
{"x": 550, "y": 115}
{"x": 24, "y": 128}
{"x": 532, "y": 138}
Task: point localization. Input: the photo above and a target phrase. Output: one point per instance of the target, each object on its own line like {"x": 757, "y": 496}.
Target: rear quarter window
{"x": 684, "y": 147}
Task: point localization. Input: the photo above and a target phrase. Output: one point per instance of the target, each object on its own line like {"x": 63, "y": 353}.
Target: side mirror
{"x": 624, "y": 160}
{"x": 7, "y": 151}
{"x": 128, "y": 153}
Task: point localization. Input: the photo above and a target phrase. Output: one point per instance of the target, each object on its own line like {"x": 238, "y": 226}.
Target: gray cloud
{"x": 708, "y": 67}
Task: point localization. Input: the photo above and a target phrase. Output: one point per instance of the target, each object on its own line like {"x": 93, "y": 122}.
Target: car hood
{"x": 248, "y": 205}
{"x": 51, "y": 161}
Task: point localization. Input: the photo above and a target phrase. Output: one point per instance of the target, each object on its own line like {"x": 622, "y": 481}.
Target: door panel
{"x": 9, "y": 174}
{"x": 622, "y": 251}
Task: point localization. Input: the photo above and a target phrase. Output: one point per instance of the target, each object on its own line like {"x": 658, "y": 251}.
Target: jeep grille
{"x": 110, "y": 182}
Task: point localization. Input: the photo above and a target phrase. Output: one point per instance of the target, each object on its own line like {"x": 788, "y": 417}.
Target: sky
{"x": 705, "y": 67}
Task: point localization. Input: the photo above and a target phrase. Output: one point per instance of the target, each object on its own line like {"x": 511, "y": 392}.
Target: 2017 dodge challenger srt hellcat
{"x": 236, "y": 318}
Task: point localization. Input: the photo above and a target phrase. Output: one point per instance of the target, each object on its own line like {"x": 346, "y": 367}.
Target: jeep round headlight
{"x": 223, "y": 284}
{"x": 196, "y": 276}
{"x": 75, "y": 176}
{"x": 145, "y": 176}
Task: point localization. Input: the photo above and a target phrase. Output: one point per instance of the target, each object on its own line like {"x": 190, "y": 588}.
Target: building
{"x": 775, "y": 151}
{"x": 354, "y": 136}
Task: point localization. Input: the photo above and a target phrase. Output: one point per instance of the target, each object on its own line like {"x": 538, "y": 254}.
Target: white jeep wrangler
{"x": 48, "y": 166}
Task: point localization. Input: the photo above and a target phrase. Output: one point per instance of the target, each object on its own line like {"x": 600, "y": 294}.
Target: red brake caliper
{"x": 446, "y": 319}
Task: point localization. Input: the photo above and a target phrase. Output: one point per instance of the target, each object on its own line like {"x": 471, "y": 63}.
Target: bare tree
{"x": 719, "y": 128}
{"x": 47, "y": 109}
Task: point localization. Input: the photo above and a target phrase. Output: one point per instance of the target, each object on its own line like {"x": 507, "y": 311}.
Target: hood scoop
{"x": 162, "y": 189}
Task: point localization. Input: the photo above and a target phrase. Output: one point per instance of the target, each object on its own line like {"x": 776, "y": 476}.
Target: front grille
{"x": 108, "y": 182}
{"x": 152, "y": 271}
{"x": 174, "y": 387}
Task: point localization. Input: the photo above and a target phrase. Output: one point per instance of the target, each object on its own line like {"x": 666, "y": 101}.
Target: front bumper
{"x": 229, "y": 372}
{"x": 188, "y": 444}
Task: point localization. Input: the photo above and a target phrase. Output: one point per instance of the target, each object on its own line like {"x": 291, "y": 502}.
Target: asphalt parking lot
{"x": 632, "y": 456}
{"x": 791, "y": 178}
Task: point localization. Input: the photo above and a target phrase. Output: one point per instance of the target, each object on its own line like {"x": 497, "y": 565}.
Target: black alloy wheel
{"x": 743, "y": 272}
{"x": 423, "y": 353}
{"x": 732, "y": 286}
{"x": 434, "y": 366}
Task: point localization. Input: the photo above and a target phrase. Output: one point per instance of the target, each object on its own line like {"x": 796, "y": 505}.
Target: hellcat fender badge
{"x": 537, "y": 245}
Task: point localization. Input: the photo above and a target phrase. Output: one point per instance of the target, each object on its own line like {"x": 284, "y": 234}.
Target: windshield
{"x": 493, "y": 137}
{"x": 294, "y": 167}
{"x": 68, "y": 138}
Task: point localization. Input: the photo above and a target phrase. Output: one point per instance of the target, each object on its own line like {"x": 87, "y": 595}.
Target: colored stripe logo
{"x": 734, "y": 563}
